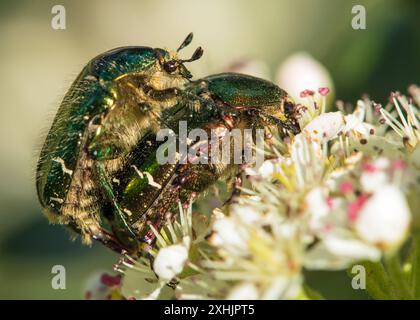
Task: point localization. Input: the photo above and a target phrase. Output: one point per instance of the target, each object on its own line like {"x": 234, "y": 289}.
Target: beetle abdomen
{"x": 244, "y": 90}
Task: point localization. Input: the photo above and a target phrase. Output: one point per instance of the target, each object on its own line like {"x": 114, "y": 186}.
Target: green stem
{"x": 378, "y": 284}
{"x": 415, "y": 265}
{"x": 398, "y": 278}
{"x": 376, "y": 292}
{"x": 312, "y": 293}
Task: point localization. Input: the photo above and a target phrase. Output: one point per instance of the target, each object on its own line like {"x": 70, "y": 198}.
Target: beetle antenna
{"x": 186, "y": 42}
{"x": 198, "y": 53}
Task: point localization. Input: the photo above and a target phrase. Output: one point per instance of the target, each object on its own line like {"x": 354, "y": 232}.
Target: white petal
{"x": 267, "y": 169}
{"x": 377, "y": 177}
{"x": 307, "y": 160}
{"x": 305, "y": 151}
{"x": 363, "y": 130}
{"x": 282, "y": 288}
{"x": 251, "y": 171}
{"x": 317, "y": 207}
{"x": 246, "y": 214}
{"x": 350, "y": 248}
{"x": 378, "y": 145}
{"x": 372, "y": 181}
{"x": 338, "y": 251}
{"x": 381, "y": 163}
{"x": 385, "y": 218}
{"x": 230, "y": 236}
{"x": 325, "y": 127}
{"x": 170, "y": 261}
{"x": 352, "y": 122}
{"x": 243, "y": 291}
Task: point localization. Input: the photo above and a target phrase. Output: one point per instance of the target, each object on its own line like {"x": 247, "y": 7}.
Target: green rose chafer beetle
{"x": 117, "y": 97}
{"x": 224, "y": 102}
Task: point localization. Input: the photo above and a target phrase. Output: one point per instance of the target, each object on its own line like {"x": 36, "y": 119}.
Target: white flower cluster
{"x": 340, "y": 194}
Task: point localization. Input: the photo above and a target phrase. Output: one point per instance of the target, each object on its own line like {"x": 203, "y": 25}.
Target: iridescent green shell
{"x": 244, "y": 90}
{"x": 87, "y": 97}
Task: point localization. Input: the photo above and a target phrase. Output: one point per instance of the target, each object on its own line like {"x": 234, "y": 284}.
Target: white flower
{"x": 247, "y": 214}
{"x": 385, "y": 218}
{"x": 243, "y": 291}
{"x": 350, "y": 248}
{"x": 325, "y": 127}
{"x": 143, "y": 286}
{"x": 308, "y": 161}
{"x": 339, "y": 249}
{"x": 317, "y": 207}
{"x": 102, "y": 286}
{"x": 352, "y": 121}
{"x": 301, "y": 71}
{"x": 329, "y": 197}
{"x": 282, "y": 288}
{"x": 170, "y": 261}
{"x": 374, "y": 176}
{"x": 405, "y": 122}
{"x": 267, "y": 169}
{"x": 230, "y": 236}
{"x": 354, "y": 125}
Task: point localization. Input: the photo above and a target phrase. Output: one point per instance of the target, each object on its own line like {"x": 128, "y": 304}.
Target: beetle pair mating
{"x": 98, "y": 172}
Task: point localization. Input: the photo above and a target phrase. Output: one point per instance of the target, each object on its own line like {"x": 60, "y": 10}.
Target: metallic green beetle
{"x": 118, "y": 97}
{"x": 225, "y": 101}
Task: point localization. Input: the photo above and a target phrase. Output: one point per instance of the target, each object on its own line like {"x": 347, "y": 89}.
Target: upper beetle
{"x": 117, "y": 97}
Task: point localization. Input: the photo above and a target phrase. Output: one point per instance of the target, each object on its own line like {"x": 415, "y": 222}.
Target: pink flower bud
{"x": 346, "y": 186}
{"x": 306, "y": 93}
{"x": 323, "y": 91}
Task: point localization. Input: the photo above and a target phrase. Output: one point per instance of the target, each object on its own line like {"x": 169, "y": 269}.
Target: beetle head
{"x": 285, "y": 115}
{"x": 170, "y": 62}
{"x": 288, "y": 107}
{"x": 290, "y": 112}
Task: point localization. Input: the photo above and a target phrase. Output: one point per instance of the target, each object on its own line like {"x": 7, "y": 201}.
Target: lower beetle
{"x": 145, "y": 190}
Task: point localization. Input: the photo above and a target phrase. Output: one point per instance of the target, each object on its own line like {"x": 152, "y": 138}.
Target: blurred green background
{"x": 39, "y": 63}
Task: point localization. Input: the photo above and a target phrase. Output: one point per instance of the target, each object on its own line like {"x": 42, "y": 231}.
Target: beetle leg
{"x": 236, "y": 189}
{"x": 100, "y": 235}
{"x": 203, "y": 97}
{"x": 108, "y": 192}
{"x": 109, "y": 241}
{"x": 156, "y": 213}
